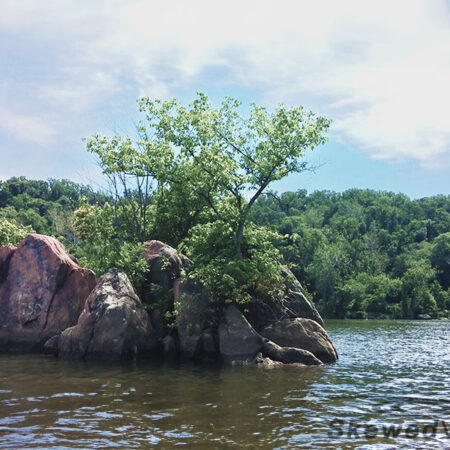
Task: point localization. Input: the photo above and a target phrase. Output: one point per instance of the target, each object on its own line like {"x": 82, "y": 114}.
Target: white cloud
{"x": 25, "y": 127}
{"x": 379, "y": 69}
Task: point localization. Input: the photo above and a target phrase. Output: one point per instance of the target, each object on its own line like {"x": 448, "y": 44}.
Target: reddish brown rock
{"x": 42, "y": 292}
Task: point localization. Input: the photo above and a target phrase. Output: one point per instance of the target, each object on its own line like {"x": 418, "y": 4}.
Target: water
{"x": 390, "y": 373}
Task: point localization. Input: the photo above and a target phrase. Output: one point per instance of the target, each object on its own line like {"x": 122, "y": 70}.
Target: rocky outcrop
{"x": 113, "y": 324}
{"x": 291, "y": 305}
{"x": 305, "y": 334}
{"x": 42, "y": 292}
{"x": 289, "y": 355}
{"x": 238, "y": 341}
{"x": 45, "y": 297}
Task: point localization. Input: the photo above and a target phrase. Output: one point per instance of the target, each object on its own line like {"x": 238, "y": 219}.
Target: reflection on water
{"x": 390, "y": 374}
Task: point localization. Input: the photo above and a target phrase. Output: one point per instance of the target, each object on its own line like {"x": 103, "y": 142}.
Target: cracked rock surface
{"x": 42, "y": 292}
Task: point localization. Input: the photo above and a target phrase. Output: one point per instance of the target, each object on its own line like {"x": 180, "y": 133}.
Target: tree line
{"x": 360, "y": 253}
{"x": 365, "y": 253}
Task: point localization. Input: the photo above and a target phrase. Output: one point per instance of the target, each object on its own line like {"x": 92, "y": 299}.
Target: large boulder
{"x": 113, "y": 324}
{"x": 305, "y": 334}
{"x": 289, "y": 355}
{"x": 42, "y": 292}
{"x": 292, "y": 304}
{"x": 238, "y": 341}
{"x": 194, "y": 313}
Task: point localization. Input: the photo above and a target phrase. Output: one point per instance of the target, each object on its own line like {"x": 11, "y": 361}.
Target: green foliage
{"x": 440, "y": 258}
{"x": 226, "y": 277}
{"x": 360, "y": 253}
{"x": 199, "y": 170}
{"x": 46, "y": 206}
{"x": 364, "y": 253}
{"x": 12, "y": 233}
{"x": 197, "y": 178}
{"x": 102, "y": 246}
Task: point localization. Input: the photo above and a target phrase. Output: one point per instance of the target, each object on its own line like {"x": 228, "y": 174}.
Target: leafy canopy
{"x": 202, "y": 168}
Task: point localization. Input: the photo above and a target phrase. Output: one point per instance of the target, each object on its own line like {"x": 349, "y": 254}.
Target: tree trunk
{"x": 239, "y": 234}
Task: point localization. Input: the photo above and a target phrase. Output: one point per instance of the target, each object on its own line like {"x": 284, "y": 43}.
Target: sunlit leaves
{"x": 11, "y": 233}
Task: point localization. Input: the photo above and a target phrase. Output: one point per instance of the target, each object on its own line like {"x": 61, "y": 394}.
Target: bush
{"x": 12, "y": 233}
{"x": 224, "y": 276}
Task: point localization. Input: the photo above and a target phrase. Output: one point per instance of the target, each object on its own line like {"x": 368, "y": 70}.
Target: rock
{"x": 169, "y": 347}
{"x": 193, "y": 314}
{"x": 42, "y": 292}
{"x": 292, "y": 304}
{"x": 113, "y": 324}
{"x": 289, "y": 355}
{"x": 423, "y": 316}
{"x": 305, "y": 334}
{"x": 165, "y": 266}
{"x": 266, "y": 363}
{"x": 210, "y": 346}
{"x": 238, "y": 341}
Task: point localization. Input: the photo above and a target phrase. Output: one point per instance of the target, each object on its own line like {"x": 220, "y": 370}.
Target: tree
{"x": 102, "y": 247}
{"x": 199, "y": 170}
{"x": 440, "y": 259}
{"x": 214, "y": 152}
{"x": 416, "y": 295}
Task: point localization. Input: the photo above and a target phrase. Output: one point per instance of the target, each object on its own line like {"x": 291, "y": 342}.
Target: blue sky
{"x": 380, "y": 70}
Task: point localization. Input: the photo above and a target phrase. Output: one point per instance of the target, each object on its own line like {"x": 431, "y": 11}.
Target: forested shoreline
{"x": 358, "y": 254}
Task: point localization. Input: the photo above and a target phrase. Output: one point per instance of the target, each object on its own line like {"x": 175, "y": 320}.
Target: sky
{"x": 380, "y": 70}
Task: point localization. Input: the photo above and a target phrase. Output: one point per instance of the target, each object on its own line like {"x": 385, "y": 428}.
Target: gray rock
{"x": 113, "y": 324}
{"x": 210, "y": 344}
{"x": 291, "y": 305}
{"x": 289, "y": 355}
{"x": 157, "y": 291}
{"x": 305, "y": 334}
{"x": 266, "y": 363}
{"x": 238, "y": 341}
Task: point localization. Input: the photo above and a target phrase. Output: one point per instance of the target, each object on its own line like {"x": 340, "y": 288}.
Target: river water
{"x": 392, "y": 377}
